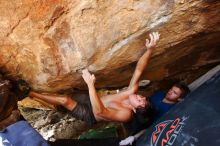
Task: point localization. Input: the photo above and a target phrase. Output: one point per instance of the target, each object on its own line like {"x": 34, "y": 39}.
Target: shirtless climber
{"x": 115, "y": 107}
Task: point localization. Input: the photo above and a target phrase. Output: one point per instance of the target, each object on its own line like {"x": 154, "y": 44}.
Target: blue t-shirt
{"x": 157, "y": 102}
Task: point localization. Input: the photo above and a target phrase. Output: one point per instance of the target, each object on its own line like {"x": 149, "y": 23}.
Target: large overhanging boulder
{"x": 49, "y": 42}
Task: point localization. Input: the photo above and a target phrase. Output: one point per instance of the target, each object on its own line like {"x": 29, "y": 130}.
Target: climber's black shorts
{"x": 83, "y": 110}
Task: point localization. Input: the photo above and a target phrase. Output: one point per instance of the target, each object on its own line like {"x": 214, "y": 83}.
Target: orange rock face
{"x": 48, "y": 43}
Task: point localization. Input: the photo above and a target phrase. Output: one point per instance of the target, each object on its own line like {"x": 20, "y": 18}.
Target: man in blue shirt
{"x": 162, "y": 102}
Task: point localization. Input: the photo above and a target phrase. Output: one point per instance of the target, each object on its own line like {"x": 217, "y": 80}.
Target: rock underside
{"x": 48, "y": 43}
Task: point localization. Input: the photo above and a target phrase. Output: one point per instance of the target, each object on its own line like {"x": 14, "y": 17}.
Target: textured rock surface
{"x": 48, "y": 42}
{"x": 54, "y": 125}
